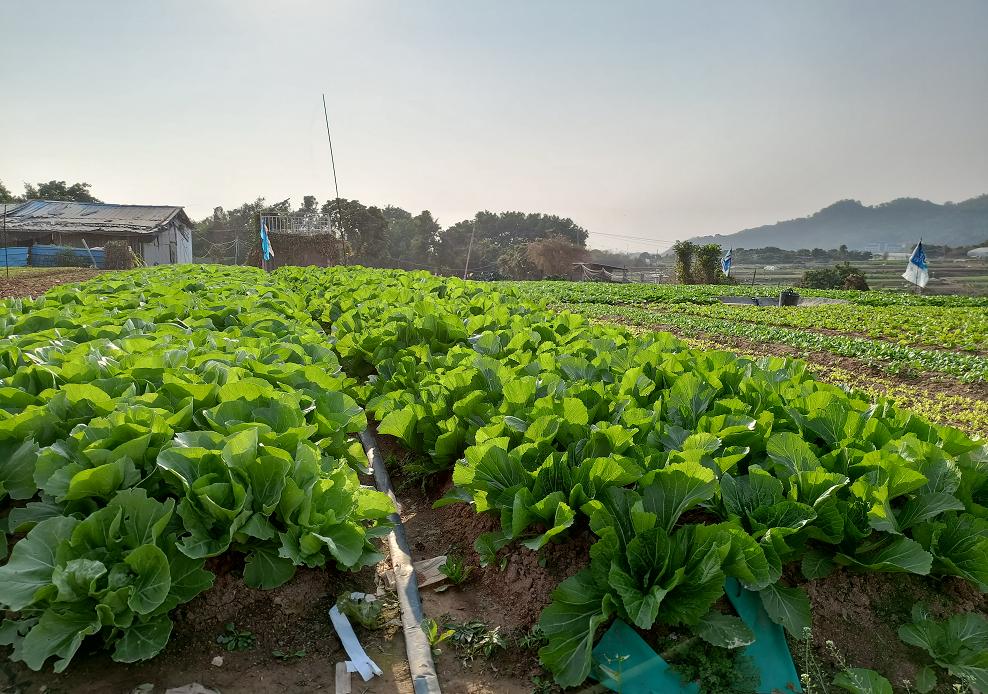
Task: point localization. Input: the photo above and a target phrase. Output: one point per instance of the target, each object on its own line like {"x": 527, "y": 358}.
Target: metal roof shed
{"x": 158, "y": 234}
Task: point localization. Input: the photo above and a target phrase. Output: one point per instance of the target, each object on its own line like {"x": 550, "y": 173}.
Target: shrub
{"x": 118, "y": 255}
{"x": 843, "y": 276}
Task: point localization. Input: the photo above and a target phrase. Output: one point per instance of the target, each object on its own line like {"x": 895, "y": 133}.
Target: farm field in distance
{"x": 927, "y": 352}
{"x": 180, "y": 471}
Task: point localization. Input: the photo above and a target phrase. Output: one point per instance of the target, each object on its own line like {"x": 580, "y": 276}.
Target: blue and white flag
{"x": 916, "y": 271}
{"x": 725, "y": 262}
{"x": 266, "y": 248}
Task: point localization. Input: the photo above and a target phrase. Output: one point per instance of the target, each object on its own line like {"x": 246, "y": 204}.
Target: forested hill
{"x": 879, "y": 227}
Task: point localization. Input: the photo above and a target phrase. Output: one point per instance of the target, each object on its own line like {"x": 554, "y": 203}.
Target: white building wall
{"x": 168, "y": 246}
{"x": 155, "y": 249}
{"x": 184, "y": 245}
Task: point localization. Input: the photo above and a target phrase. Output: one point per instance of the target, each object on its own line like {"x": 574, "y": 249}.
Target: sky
{"x": 644, "y": 122}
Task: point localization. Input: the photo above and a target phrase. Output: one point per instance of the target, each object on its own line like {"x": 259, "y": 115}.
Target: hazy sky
{"x": 656, "y": 120}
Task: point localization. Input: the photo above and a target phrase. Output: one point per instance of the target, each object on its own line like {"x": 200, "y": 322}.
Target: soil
{"x": 290, "y": 618}
{"x": 861, "y": 615}
{"x": 34, "y": 283}
{"x": 509, "y": 594}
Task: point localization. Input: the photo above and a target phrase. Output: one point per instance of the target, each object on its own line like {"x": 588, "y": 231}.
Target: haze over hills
{"x": 888, "y": 226}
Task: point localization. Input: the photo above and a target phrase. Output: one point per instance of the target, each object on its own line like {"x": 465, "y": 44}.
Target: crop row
{"x": 153, "y": 419}
{"x": 936, "y": 328}
{"x": 966, "y": 367}
{"x": 689, "y": 466}
{"x": 611, "y": 293}
{"x": 933, "y": 400}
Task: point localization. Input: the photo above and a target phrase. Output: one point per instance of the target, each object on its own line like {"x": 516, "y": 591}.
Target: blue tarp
{"x": 14, "y": 256}
{"x": 53, "y": 256}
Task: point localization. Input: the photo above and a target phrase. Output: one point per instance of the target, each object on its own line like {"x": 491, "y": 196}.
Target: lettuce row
{"x": 545, "y": 417}
{"x": 221, "y": 406}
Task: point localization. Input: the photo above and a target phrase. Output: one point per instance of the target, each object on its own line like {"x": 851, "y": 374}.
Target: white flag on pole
{"x": 916, "y": 271}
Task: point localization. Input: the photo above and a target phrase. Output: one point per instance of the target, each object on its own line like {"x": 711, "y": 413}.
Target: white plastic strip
{"x": 359, "y": 660}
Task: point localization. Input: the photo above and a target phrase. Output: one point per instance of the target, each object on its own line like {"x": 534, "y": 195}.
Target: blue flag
{"x": 916, "y": 271}
{"x": 725, "y": 263}
{"x": 266, "y": 248}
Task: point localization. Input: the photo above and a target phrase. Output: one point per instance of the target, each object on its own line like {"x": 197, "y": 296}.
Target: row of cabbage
{"x": 961, "y": 328}
{"x": 647, "y": 293}
{"x": 691, "y": 467}
{"x": 151, "y": 420}
{"x": 969, "y": 368}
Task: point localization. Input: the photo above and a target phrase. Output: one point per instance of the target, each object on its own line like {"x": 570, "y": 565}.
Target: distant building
{"x": 980, "y": 253}
{"x": 159, "y": 235}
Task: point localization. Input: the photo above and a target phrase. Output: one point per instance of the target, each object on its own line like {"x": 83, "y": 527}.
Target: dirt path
{"x": 34, "y": 282}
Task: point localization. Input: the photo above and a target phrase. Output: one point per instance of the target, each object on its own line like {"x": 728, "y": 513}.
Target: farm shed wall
{"x": 171, "y": 245}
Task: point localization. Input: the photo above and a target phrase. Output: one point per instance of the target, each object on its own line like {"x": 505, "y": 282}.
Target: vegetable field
{"x": 923, "y": 351}
{"x": 155, "y": 421}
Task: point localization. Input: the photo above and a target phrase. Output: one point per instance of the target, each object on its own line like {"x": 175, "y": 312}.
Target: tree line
{"x": 516, "y": 245}
{"x": 52, "y": 190}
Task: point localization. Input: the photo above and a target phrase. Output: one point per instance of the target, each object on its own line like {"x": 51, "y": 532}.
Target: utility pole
{"x": 469, "y": 248}
{"x": 332, "y": 161}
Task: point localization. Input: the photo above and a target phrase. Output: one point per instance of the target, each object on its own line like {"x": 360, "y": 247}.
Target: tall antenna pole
{"x": 332, "y": 160}
{"x": 469, "y": 248}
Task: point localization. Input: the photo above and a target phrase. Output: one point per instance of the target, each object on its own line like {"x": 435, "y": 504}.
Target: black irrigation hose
{"x": 420, "y": 663}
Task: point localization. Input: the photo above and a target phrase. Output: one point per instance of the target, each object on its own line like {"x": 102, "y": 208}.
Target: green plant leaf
{"x": 265, "y": 569}
{"x": 725, "y": 631}
{"x": 862, "y": 681}
{"x": 926, "y": 680}
{"x": 570, "y": 624}
{"x": 59, "y": 635}
{"x": 152, "y": 580}
{"x": 32, "y": 562}
{"x": 143, "y": 640}
{"x": 787, "y": 606}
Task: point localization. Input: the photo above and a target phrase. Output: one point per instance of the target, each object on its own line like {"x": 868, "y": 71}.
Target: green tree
{"x": 411, "y": 240}
{"x": 495, "y": 233}
{"x": 59, "y": 190}
{"x": 6, "y": 195}
{"x": 842, "y": 276}
{"x": 364, "y": 228}
{"x": 707, "y": 264}
{"x": 685, "y": 252}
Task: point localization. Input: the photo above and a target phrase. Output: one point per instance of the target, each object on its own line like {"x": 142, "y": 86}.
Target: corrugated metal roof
{"x": 46, "y": 216}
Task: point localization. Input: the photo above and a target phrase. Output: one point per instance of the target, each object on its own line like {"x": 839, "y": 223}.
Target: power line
{"x": 630, "y": 238}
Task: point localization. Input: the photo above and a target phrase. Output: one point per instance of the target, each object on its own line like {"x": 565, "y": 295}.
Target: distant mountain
{"x": 888, "y": 226}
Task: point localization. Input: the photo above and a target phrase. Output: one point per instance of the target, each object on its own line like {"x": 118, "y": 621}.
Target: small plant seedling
{"x": 476, "y": 638}
{"x": 456, "y": 570}
{"x": 234, "y": 639}
{"x": 435, "y": 633}
{"x": 289, "y": 656}
{"x": 542, "y": 685}
{"x": 531, "y": 640}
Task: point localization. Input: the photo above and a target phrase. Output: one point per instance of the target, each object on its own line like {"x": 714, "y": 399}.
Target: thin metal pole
{"x": 469, "y": 248}
{"x": 6, "y": 253}
{"x": 88, "y": 250}
{"x": 336, "y": 185}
